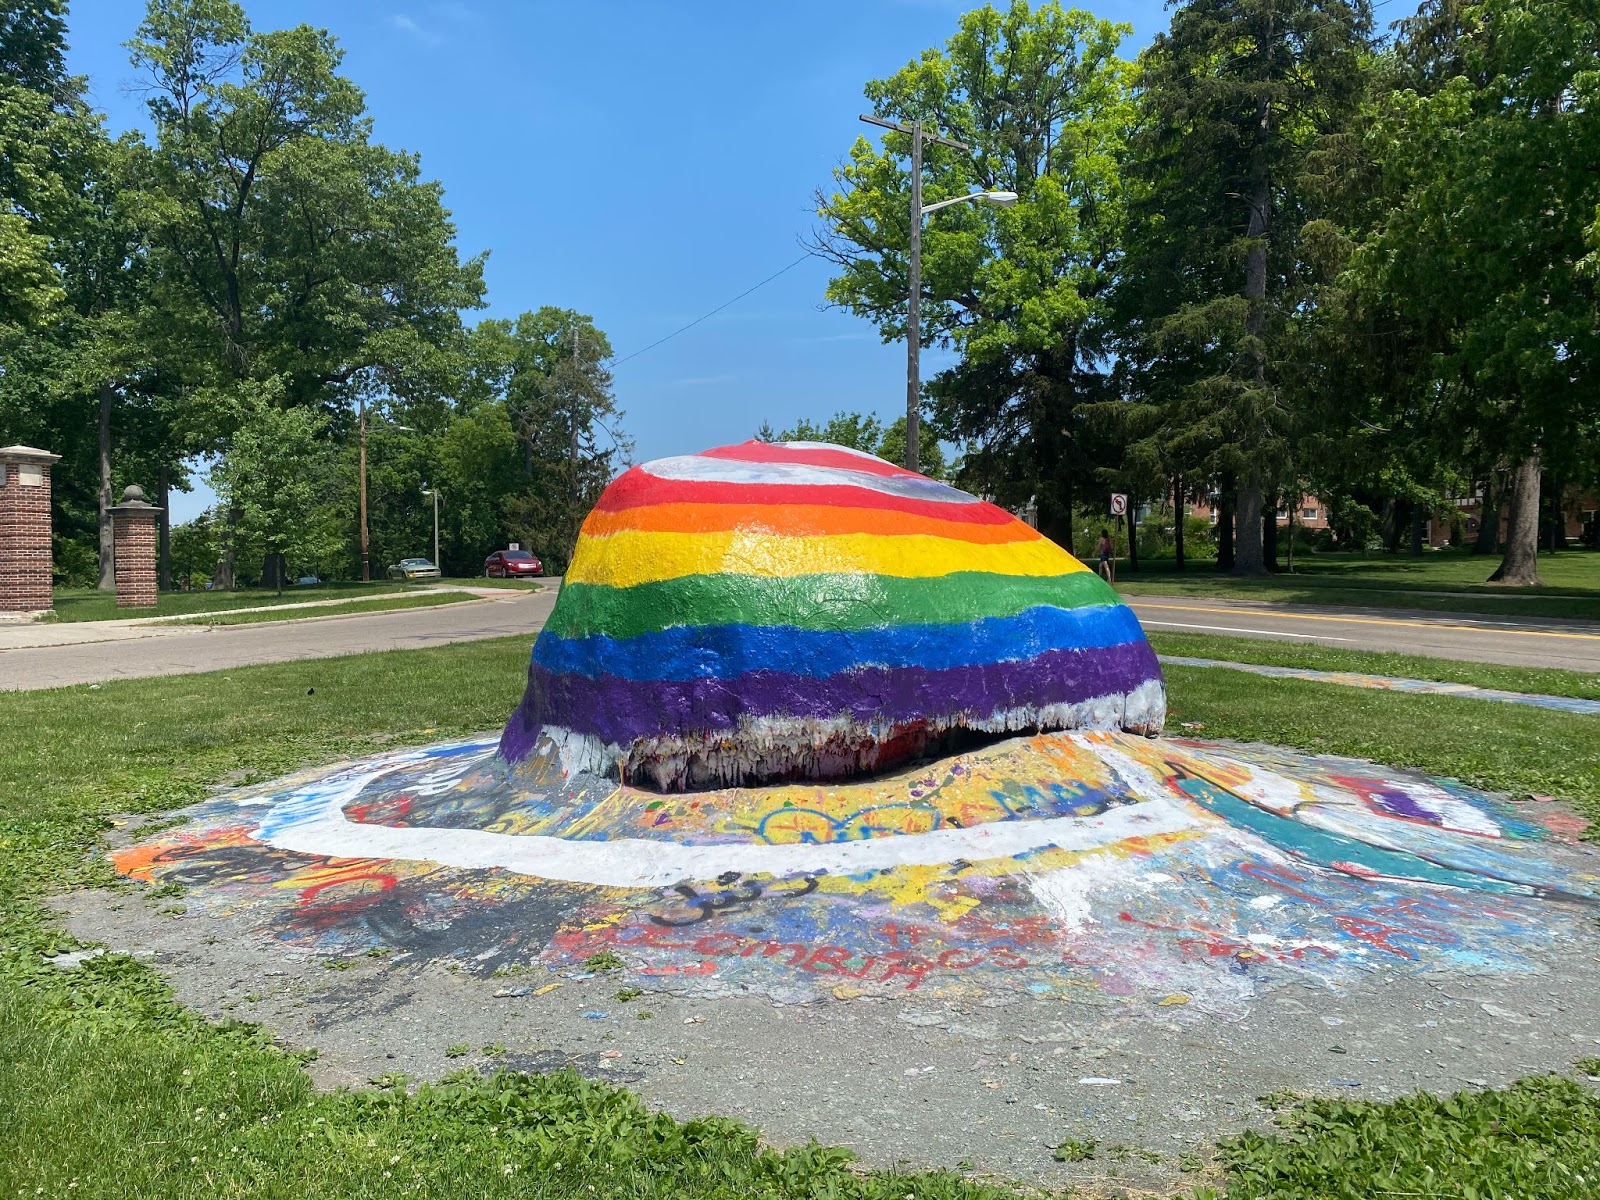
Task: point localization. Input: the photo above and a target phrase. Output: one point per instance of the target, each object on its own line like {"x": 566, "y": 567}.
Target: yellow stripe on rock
{"x": 626, "y": 559}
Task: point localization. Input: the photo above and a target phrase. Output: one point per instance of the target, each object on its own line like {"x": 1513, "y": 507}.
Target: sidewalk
{"x": 140, "y": 649}
{"x": 31, "y": 635}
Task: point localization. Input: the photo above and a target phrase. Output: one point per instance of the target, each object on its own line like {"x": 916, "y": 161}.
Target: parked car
{"x": 414, "y": 568}
{"x": 512, "y": 564}
{"x": 307, "y": 581}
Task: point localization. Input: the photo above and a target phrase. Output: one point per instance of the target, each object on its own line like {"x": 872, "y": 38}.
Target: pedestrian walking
{"x": 1105, "y": 549}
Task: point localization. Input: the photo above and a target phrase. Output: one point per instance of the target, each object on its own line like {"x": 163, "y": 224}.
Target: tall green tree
{"x": 1234, "y": 99}
{"x": 548, "y": 371}
{"x": 285, "y": 242}
{"x": 1043, "y": 98}
{"x": 1490, "y": 153}
{"x": 275, "y": 476}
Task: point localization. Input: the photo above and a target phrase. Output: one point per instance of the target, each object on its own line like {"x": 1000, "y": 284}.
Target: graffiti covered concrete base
{"x": 1109, "y": 867}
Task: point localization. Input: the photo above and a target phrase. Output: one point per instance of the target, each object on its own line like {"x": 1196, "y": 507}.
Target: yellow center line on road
{"x": 1135, "y": 603}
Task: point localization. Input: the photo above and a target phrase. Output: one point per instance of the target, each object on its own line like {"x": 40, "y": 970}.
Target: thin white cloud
{"x": 409, "y": 26}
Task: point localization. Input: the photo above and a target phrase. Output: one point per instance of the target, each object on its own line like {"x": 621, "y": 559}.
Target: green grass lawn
{"x": 514, "y": 585}
{"x": 1572, "y": 583}
{"x": 109, "y": 1089}
{"x": 88, "y": 604}
{"x": 1539, "y": 680}
{"x": 350, "y": 608}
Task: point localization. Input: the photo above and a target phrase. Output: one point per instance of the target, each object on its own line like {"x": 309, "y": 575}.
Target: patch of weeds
{"x": 338, "y": 964}
{"x": 1189, "y": 1162}
{"x": 629, "y": 993}
{"x": 171, "y": 910}
{"x": 457, "y": 1050}
{"x": 1275, "y": 1101}
{"x": 305, "y": 1057}
{"x": 1076, "y": 1150}
{"x": 167, "y": 890}
{"x": 644, "y": 1016}
{"x": 1122, "y": 1153}
{"x": 606, "y": 960}
{"x": 509, "y": 971}
{"x": 966, "y": 1164}
{"x": 1587, "y": 1066}
{"x": 253, "y": 997}
{"x": 391, "y": 1079}
{"x": 380, "y": 952}
{"x": 494, "y": 1050}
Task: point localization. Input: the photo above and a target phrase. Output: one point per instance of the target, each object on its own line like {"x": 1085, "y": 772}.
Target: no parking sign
{"x": 1119, "y": 504}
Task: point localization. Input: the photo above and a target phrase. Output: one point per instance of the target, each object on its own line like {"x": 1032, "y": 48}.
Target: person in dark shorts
{"x": 1104, "y": 548}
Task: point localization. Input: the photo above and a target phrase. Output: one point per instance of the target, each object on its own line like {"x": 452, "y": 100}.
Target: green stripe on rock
{"x": 842, "y": 601}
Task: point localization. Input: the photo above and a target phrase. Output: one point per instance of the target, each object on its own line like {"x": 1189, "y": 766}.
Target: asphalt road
{"x": 1516, "y": 641}
{"x": 184, "y": 649}
{"x": 149, "y": 650}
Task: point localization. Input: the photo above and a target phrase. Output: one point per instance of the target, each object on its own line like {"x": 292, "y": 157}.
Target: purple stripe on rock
{"x": 620, "y": 711}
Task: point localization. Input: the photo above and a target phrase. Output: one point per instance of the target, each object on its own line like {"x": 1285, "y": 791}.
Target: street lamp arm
{"x": 999, "y": 199}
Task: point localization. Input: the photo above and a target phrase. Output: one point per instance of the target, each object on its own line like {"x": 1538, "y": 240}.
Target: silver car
{"x": 414, "y": 568}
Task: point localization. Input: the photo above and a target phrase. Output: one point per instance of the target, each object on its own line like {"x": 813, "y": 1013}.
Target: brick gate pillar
{"x": 134, "y": 528}
{"x": 25, "y": 556}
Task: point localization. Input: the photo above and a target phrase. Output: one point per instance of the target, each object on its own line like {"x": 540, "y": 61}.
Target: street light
{"x": 366, "y": 556}
{"x": 434, "y": 492}
{"x": 914, "y": 301}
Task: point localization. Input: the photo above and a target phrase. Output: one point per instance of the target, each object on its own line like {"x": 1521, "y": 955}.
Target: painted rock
{"x": 797, "y": 610}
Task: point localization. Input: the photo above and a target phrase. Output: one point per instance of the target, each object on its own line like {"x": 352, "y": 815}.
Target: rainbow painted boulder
{"x": 797, "y": 610}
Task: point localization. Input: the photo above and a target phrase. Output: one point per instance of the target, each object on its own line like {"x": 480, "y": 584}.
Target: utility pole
{"x": 914, "y": 300}
{"x": 366, "y": 554}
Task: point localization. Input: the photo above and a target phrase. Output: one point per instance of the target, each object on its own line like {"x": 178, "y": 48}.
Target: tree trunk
{"x": 1269, "y": 533}
{"x": 1247, "y": 555}
{"x": 1419, "y": 524}
{"x": 1177, "y": 523}
{"x": 223, "y": 580}
{"x": 1133, "y": 536}
{"x": 1520, "y": 566}
{"x": 1488, "y": 540}
{"x": 108, "y": 569}
{"x": 1225, "y": 506}
{"x": 1393, "y": 515}
{"x": 163, "y": 531}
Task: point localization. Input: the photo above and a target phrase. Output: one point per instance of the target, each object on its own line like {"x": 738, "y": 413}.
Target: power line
{"x": 714, "y": 311}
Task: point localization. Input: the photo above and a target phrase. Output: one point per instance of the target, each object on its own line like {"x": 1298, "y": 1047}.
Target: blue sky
{"x": 642, "y": 162}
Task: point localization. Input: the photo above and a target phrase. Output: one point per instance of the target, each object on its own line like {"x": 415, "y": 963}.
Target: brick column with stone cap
{"x": 25, "y": 556}
{"x": 134, "y": 528}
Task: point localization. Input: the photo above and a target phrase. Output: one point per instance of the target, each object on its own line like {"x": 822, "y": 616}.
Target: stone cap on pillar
{"x": 133, "y": 501}
{"x": 27, "y": 454}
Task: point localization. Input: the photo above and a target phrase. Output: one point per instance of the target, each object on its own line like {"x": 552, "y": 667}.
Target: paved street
{"x": 167, "y": 649}
{"x": 1517, "y": 641}
{"x": 124, "y": 651}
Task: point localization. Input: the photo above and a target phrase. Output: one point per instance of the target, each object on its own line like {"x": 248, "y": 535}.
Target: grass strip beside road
{"x": 350, "y": 608}
{"x": 1439, "y": 581}
{"x": 1544, "y": 681}
{"x": 108, "y": 1088}
{"x": 88, "y": 604}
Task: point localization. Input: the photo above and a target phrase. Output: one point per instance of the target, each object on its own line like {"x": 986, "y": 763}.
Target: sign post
{"x": 1119, "y": 504}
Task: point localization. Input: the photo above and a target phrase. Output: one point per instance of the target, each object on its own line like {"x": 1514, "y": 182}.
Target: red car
{"x": 512, "y": 564}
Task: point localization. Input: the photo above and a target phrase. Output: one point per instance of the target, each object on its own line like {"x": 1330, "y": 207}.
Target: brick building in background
{"x": 1312, "y": 513}
{"x": 25, "y": 553}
